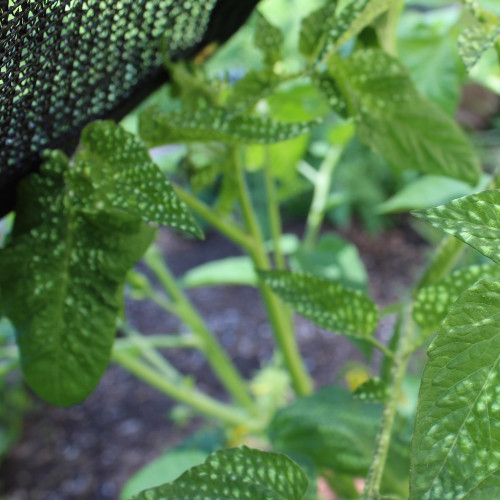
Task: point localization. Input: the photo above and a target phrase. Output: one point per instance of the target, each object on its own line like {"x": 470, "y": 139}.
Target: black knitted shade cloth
{"x": 64, "y": 63}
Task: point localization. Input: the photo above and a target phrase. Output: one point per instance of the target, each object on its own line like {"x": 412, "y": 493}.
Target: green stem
{"x": 274, "y": 213}
{"x": 322, "y": 185}
{"x": 401, "y": 358}
{"x": 215, "y": 354}
{"x": 183, "y": 393}
{"x": 228, "y": 229}
{"x": 381, "y": 347}
{"x": 151, "y": 354}
{"x": 278, "y": 317}
{"x": 172, "y": 341}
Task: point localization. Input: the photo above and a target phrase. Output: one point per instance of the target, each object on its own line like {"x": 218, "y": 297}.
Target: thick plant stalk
{"x": 215, "y": 354}
{"x": 184, "y": 393}
{"x": 278, "y": 317}
{"x": 401, "y": 358}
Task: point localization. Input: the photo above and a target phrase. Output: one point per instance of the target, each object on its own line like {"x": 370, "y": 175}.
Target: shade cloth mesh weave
{"x": 64, "y": 63}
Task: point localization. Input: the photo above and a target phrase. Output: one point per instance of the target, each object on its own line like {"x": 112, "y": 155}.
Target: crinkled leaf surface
{"x": 118, "y": 167}
{"x": 268, "y": 39}
{"x": 350, "y": 20}
{"x": 456, "y": 444}
{"x": 434, "y": 301}
{"x": 61, "y": 281}
{"x": 215, "y": 124}
{"x": 474, "y": 219}
{"x": 326, "y": 303}
{"x": 312, "y": 32}
{"x": 392, "y": 118}
{"x": 475, "y": 41}
{"x": 236, "y": 474}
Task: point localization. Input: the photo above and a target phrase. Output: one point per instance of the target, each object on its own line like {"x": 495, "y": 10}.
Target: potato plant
{"x": 82, "y": 223}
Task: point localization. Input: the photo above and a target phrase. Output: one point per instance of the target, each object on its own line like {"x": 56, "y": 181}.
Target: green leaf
{"x": 235, "y": 474}
{"x": 428, "y": 47}
{"x": 474, "y": 219}
{"x": 165, "y": 468}
{"x": 434, "y": 301}
{"x": 61, "y": 282}
{"x": 325, "y": 303}
{"x": 312, "y": 32}
{"x": 228, "y": 271}
{"x": 338, "y": 432}
{"x": 330, "y": 90}
{"x": 250, "y": 89}
{"x": 268, "y": 39}
{"x": 428, "y": 191}
{"x": 215, "y": 124}
{"x": 331, "y": 427}
{"x": 351, "y": 19}
{"x": 475, "y": 41}
{"x": 407, "y": 130}
{"x": 335, "y": 259}
{"x": 118, "y": 167}
{"x": 373, "y": 390}
{"x": 455, "y": 448}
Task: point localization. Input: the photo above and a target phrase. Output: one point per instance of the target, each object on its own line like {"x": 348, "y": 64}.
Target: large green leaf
{"x": 61, "y": 281}
{"x": 338, "y": 432}
{"x": 215, "y": 124}
{"x": 235, "y": 474}
{"x": 456, "y": 444}
{"x": 326, "y": 303}
{"x": 434, "y": 301}
{"x": 117, "y": 166}
{"x": 474, "y": 219}
{"x": 392, "y": 118}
